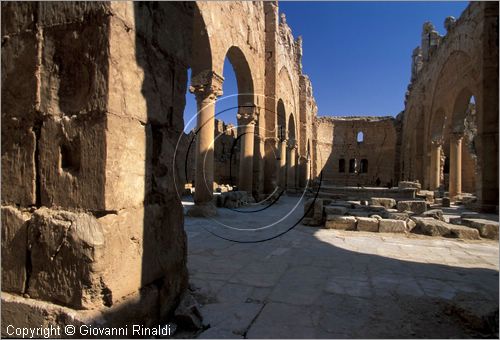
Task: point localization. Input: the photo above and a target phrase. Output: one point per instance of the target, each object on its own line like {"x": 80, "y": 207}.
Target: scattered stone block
{"x": 417, "y": 207}
{"x": 426, "y": 195}
{"x": 392, "y": 226}
{"x": 430, "y": 226}
{"x": 409, "y": 184}
{"x": 335, "y": 210}
{"x": 487, "y": 229}
{"x": 367, "y": 224}
{"x": 434, "y": 213}
{"x": 340, "y": 222}
{"x": 382, "y": 201}
{"x": 464, "y": 233}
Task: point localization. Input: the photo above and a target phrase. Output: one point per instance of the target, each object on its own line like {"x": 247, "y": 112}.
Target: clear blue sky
{"x": 357, "y": 54}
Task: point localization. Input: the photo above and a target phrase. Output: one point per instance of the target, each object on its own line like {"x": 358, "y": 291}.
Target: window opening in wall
{"x": 360, "y": 137}
{"x": 363, "y": 166}
{"x": 342, "y": 165}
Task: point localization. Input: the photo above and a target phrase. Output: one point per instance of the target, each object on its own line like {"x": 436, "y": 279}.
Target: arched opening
{"x": 239, "y": 76}
{"x": 462, "y": 136}
{"x": 360, "y": 137}
{"x": 291, "y": 160}
{"x": 342, "y": 165}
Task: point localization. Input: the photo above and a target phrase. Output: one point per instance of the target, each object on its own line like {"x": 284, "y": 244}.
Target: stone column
{"x": 435, "y": 170}
{"x": 246, "y": 122}
{"x": 455, "y": 178}
{"x": 206, "y": 86}
{"x": 282, "y": 164}
{"x": 291, "y": 168}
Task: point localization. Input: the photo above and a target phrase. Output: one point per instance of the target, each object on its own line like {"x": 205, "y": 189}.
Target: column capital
{"x": 292, "y": 144}
{"x": 207, "y": 83}
{"x": 272, "y": 140}
{"x": 456, "y": 136}
{"x": 247, "y": 114}
{"x": 436, "y": 142}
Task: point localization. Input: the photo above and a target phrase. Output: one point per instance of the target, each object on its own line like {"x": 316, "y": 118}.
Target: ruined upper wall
{"x": 446, "y": 72}
{"x": 337, "y": 139}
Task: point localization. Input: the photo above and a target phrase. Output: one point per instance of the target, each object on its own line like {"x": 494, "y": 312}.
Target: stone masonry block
{"x": 95, "y": 164}
{"x": 417, "y": 207}
{"x": 83, "y": 262}
{"x": 392, "y": 226}
{"x": 340, "y": 222}
{"x": 367, "y": 224}
{"x": 67, "y": 252}
{"x": 486, "y": 228}
{"x": 75, "y": 69}
{"x": 385, "y": 202}
{"x": 18, "y": 165}
{"x": 72, "y": 163}
{"x": 19, "y": 77}
{"x": 14, "y": 249}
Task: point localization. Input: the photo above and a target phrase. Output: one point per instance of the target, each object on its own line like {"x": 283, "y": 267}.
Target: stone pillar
{"x": 282, "y": 164}
{"x": 455, "y": 179}
{"x": 246, "y": 122}
{"x": 435, "y": 171}
{"x": 291, "y": 167}
{"x": 206, "y": 86}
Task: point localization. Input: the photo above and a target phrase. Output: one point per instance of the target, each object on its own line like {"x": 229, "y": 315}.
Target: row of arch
{"x": 206, "y": 85}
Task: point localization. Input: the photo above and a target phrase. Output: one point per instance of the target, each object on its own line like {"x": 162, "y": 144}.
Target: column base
{"x": 202, "y": 210}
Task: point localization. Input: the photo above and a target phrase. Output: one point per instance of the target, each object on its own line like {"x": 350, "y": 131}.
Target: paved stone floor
{"x": 318, "y": 283}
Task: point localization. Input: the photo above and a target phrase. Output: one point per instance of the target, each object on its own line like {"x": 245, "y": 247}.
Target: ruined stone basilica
{"x": 95, "y": 159}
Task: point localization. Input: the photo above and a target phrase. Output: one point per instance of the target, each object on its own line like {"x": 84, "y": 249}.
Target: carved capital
{"x": 207, "y": 83}
{"x": 247, "y": 114}
{"x": 456, "y": 136}
{"x": 292, "y": 144}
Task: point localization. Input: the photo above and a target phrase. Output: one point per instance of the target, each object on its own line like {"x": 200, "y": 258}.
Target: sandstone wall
{"x": 374, "y": 157}
{"x": 93, "y": 97}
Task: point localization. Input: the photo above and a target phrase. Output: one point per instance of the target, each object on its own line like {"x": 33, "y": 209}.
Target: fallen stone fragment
{"x": 188, "y": 315}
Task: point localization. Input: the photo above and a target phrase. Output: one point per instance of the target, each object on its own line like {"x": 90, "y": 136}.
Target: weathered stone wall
{"x": 92, "y": 109}
{"x": 446, "y": 72}
{"x": 374, "y": 157}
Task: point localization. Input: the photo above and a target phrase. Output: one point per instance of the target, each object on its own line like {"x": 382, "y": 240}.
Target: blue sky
{"x": 357, "y": 54}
